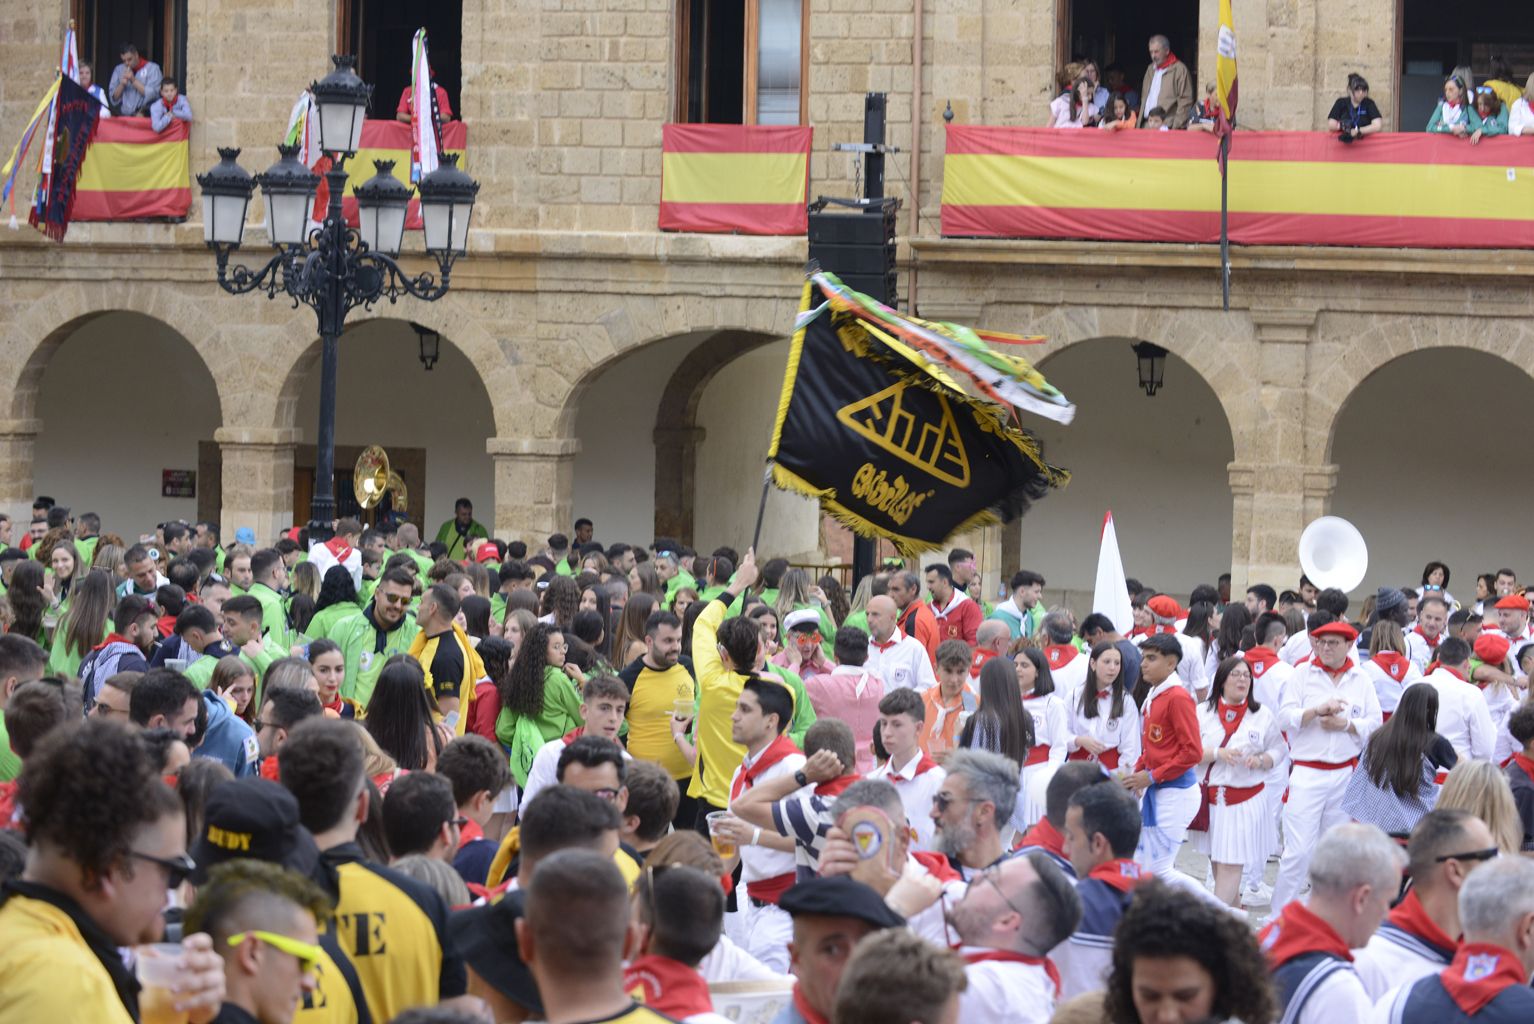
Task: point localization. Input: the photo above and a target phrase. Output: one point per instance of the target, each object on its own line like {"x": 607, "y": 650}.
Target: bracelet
{"x": 756, "y": 837}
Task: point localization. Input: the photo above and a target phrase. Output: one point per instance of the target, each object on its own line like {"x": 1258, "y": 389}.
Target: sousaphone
{"x": 371, "y": 476}
{"x": 1333, "y": 554}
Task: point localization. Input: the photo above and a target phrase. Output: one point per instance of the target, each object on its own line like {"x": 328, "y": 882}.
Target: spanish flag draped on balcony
{"x": 907, "y": 429}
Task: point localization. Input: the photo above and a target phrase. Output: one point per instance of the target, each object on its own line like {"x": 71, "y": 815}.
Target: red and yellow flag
{"x": 132, "y": 172}
{"x": 750, "y": 179}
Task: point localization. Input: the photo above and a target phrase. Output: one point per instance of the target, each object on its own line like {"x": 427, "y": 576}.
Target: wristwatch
{"x": 801, "y": 779}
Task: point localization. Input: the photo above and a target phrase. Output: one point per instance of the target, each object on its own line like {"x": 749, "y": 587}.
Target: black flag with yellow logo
{"x": 891, "y": 448}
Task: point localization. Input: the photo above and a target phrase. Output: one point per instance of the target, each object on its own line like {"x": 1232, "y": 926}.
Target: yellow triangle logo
{"x": 934, "y": 448}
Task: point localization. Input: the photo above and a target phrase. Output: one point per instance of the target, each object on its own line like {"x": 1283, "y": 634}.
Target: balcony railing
{"x": 1286, "y": 188}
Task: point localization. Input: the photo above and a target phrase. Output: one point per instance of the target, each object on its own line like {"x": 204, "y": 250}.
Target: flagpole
{"x": 1225, "y": 218}
{"x": 761, "y": 508}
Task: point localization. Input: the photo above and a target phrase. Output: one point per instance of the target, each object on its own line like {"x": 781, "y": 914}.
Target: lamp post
{"x": 1150, "y": 358}
{"x": 334, "y": 268}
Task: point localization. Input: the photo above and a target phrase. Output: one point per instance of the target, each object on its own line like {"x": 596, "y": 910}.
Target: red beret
{"x": 1165, "y": 605}
{"x": 1515, "y": 601}
{"x": 1492, "y": 648}
{"x": 1338, "y": 628}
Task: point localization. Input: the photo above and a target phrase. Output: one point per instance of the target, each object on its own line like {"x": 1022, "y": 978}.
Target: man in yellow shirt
{"x": 724, "y": 652}
{"x": 661, "y": 685}
{"x": 108, "y": 839}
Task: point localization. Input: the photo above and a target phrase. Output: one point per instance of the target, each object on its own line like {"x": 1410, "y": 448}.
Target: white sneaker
{"x": 1260, "y": 895}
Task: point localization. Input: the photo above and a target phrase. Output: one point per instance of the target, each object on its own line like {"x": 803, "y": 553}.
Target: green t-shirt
{"x": 359, "y": 642}
{"x": 274, "y": 615}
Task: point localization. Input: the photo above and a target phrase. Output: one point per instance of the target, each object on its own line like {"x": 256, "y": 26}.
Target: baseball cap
{"x": 245, "y": 535}
{"x": 255, "y": 818}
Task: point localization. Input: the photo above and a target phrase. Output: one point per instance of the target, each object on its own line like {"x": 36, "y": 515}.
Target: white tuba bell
{"x": 1333, "y": 554}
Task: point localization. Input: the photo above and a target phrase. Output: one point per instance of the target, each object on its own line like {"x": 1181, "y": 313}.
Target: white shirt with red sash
{"x": 1422, "y": 649}
{"x": 1392, "y": 673}
{"x": 916, "y": 781}
{"x": 337, "y": 551}
{"x": 1120, "y": 735}
{"x": 772, "y": 869}
{"x": 1311, "y": 685}
{"x": 1007, "y": 988}
{"x": 1464, "y": 718}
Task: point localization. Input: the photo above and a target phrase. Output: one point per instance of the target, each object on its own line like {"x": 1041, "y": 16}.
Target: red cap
{"x": 1338, "y": 628}
{"x": 1492, "y": 648}
{"x": 1517, "y": 602}
{"x": 1165, "y": 606}
{"x": 487, "y": 553}
{"x": 292, "y": 533}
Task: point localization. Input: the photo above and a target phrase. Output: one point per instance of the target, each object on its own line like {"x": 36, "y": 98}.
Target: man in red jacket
{"x": 956, "y": 615}
{"x": 1170, "y": 749}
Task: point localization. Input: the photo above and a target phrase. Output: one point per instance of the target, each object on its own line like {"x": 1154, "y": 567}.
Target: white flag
{"x": 1111, "y": 595}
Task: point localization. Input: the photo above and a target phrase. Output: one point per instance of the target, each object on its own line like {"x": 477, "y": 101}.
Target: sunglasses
{"x": 1489, "y": 854}
{"x": 176, "y": 868}
{"x": 308, "y": 956}
{"x": 942, "y": 801}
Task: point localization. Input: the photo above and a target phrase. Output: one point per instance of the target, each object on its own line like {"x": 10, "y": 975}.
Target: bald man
{"x": 991, "y": 638}
{"x": 900, "y": 660}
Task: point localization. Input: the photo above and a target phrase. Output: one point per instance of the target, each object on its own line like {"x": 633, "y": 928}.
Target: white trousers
{"x": 769, "y": 930}
{"x": 1315, "y": 805}
{"x": 1159, "y": 844}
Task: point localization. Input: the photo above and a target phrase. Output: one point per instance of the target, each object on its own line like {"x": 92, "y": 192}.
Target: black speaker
{"x": 859, "y": 248}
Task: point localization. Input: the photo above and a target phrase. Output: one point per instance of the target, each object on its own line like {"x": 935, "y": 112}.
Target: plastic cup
{"x": 724, "y": 845}
{"x": 176, "y": 664}
{"x": 682, "y": 707}
{"x": 159, "y": 970}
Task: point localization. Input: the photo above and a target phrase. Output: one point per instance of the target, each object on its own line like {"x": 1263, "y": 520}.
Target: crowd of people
{"x": 1165, "y": 101}
{"x": 377, "y": 779}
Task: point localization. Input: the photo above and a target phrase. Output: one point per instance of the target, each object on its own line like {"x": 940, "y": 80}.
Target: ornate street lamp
{"x": 1152, "y": 364}
{"x": 333, "y": 268}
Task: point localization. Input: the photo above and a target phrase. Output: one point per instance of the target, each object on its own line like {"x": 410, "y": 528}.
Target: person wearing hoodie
{"x": 1023, "y": 612}
{"x": 126, "y": 648}
{"x": 227, "y": 739}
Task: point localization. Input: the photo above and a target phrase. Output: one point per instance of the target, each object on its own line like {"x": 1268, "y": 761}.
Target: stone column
{"x": 18, "y": 444}
{"x": 676, "y": 465}
{"x": 534, "y": 481}
{"x": 257, "y": 481}
{"x": 1271, "y": 484}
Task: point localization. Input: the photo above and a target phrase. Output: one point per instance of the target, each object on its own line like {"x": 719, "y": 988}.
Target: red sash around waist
{"x": 1327, "y": 766}
{"x": 1037, "y": 755}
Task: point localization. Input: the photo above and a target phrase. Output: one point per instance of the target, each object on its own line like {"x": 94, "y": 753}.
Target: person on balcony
{"x": 1490, "y": 115}
{"x": 1075, "y": 109}
{"x": 1501, "y": 82}
{"x": 1168, "y": 85}
{"x": 1118, "y": 87}
{"x": 1205, "y": 113}
{"x": 135, "y": 82}
{"x": 1355, "y": 115}
{"x": 88, "y": 83}
{"x": 1119, "y": 115}
{"x": 1453, "y": 113}
{"x": 1100, "y": 92}
{"x": 1520, "y": 118}
{"x": 171, "y": 106}
{"x": 444, "y": 108}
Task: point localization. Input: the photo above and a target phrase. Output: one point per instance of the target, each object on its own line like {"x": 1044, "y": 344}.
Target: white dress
{"x": 1238, "y": 831}
{"x": 1049, "y": 729}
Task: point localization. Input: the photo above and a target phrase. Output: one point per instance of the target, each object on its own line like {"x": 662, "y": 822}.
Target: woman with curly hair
{"x": 1179, "y": 957}
{"x": 561, "y": 601}
{"x": 540, "y": 698}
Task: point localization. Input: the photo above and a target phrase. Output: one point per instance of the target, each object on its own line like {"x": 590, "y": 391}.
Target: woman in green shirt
{"x": 540, "y": 698}
{"x": 86, "y": 622}
{"x": 337, "y": 599}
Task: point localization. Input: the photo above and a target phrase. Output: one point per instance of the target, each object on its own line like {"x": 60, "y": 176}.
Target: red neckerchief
{"x": 1230, "y": 717}
{"x": 1171, "y": 58}
{"x": 1394, "y": 663}
{"x": 1060, "y": 655}
{"x": 338, "y": 705}
{"x": 574, "y": 734}
{"x": 1007, "y": 956}
{"x": 1431, "y": 641}
{"x": 140, "y": 65}
{"x": 112, "y": 638}
{"x": 166, "y": 625}
{"x": 976, "y": 663}
{"x": 338, "y": 547}
{"x": 835, "y": 786}
{"x": 1334, "y": 674}
{"x": 1411, "y": 917}
{"x": 1526, "y": 764}
{"x": 1046, "y": 837}
{"x": 806, "y": 1010}
{"x": 885, "y": 645}
{"x": 668, "y": 986}
{"x": 923, "y": 764}
{"x": 470, "y": 832}
{"x": 776, "y": 751}
{"x": 269, "y": 769}
{"x": 1457, "y": 673}
{"x": 1479, "y": 973}
{"x": 1260, "y": 659}
{"x": 1122, "y": 874}
{"x": 1295, "y": 932}
{"x": 1138, "y": 631}
{"x": 937, "y": 866}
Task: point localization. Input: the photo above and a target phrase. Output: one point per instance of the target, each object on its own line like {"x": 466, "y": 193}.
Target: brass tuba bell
{"x": 370, "y": 476}
{"x": 399, "y": 492}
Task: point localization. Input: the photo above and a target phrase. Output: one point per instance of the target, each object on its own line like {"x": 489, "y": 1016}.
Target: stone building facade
{"x": 569, "y": 282}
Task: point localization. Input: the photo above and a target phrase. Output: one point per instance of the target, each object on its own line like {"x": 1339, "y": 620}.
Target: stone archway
{"x": 1430, "y": 464}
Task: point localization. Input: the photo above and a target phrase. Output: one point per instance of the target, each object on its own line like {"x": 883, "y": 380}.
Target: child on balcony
{"x": 171, "y": 106}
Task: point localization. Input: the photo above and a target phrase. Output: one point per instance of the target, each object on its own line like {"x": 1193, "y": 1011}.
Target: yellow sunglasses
{"x": 308, "y": 955}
